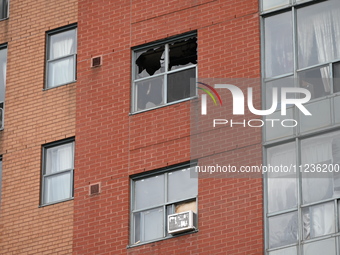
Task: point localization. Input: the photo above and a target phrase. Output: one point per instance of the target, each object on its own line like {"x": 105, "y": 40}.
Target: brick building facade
{"x": 97, "y": 137}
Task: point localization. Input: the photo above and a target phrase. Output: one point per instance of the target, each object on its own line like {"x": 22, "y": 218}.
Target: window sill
{"x": 4, "y": 19}
{"x": 161, "y": 239}
{"x": 61, "y": 85}
{"x": 165, "y": 105}
{"x": 56, "y": 202}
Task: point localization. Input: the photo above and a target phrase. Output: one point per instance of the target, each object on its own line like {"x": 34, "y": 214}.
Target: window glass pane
{"x": 57, "y": 187}
{"x": 149, "y": 192}
{"x": 181, "y": 186}
{"x": 61, "y": 71}
{"x": 336, "y": 77}
{"x": 283, "y": 229}
{"x": 318, "y": 220}
{"x": 317, "y": 81}
{"x": 282, "y": 189}
{"x": 318, "y": 33}
{"x": 3, "y": 9}
{"x": 278, "y": 44}
{"x": 274, "y": 127}
{"x": 59, "y": 158}
{"x": 150, "y": 62}
{"x": 322, "y": 149}
{"x": 286, "y": 251}
{"x": 320, "y": 247}
{"x": 182, "y": 53}
{"x": 287, "y": 82}
{"x": 269, "y": 4}
{"x": 181, "y": 85}
{"x": 149, "y": 225}
{"x": 321, "y": 115}
{"x": 337, "y": 106}
{"x": 150, "y": 93}
{"x": 3, "y": 64}
{"x": 63, "y": 44}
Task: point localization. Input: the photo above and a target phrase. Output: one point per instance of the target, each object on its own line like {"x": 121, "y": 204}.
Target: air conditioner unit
{"x": 181, "y": 222}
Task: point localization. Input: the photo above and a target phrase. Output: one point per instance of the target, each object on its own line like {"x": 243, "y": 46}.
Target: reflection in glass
{"x": 279, "y": 44}
{"x": 282, "y": 187}
{"x": 324, "y": 149}
{"x": 317, "y": 81}
{"x": 283, "y": 229}
{"x": 320, "y": 247}
{"x": 269, "y": 4}
{"x": 181, "y": 85}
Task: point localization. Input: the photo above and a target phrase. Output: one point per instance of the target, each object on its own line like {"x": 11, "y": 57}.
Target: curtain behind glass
{"x": 57, "y": 187}
{"x": 59, "y": 158}
{"x": 61, "y": 71}
{"x": 318, "y": 33}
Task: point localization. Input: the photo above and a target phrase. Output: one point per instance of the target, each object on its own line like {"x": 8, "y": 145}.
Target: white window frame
{"x": 167, "y": 207}
{"x": 73, "y": 55}
{"x": 165, "y": 43}
{"x": 5, "y": 9}
{"x": 45, "y": 149}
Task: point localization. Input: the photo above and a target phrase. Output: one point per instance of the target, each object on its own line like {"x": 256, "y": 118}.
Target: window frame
{"x": 48, "y": 36}
{"x": 45, "y": 148}
{"x": 164, "y": 205}
{"x": 331, "y": 99}
{"x": 2, "y": 107}
{"x": 134, "y": 80}
{"x": 297, "y": 138}
{"x": 3, "y": 2}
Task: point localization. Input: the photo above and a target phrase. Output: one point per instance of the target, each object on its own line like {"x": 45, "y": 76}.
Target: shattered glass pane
{"x": 150, "y": 62}
{"x": 150, "y": 93}
{"x": 179, "y": 86}
{"x": 182, "y": 53}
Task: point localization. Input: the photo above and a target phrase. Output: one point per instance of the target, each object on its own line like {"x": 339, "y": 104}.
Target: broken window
{"x": 156, "y": 196}
{"x": 164, "y": 73}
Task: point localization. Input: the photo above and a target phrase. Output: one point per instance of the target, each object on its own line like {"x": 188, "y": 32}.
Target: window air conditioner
{"x": 181, "y": 222}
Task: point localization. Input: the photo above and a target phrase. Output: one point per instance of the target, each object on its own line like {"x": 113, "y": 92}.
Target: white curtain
{"x": 318, "y": 220}
{"x": 319, "y": 27}
{"x": 61, "y": 71}
{"x": 58, "y": 186}
{"x": 59, "y": 158}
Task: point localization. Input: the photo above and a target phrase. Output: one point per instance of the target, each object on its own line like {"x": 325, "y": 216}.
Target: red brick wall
{"x": 111, "y": 145}
{"x": 33, "y": 117}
